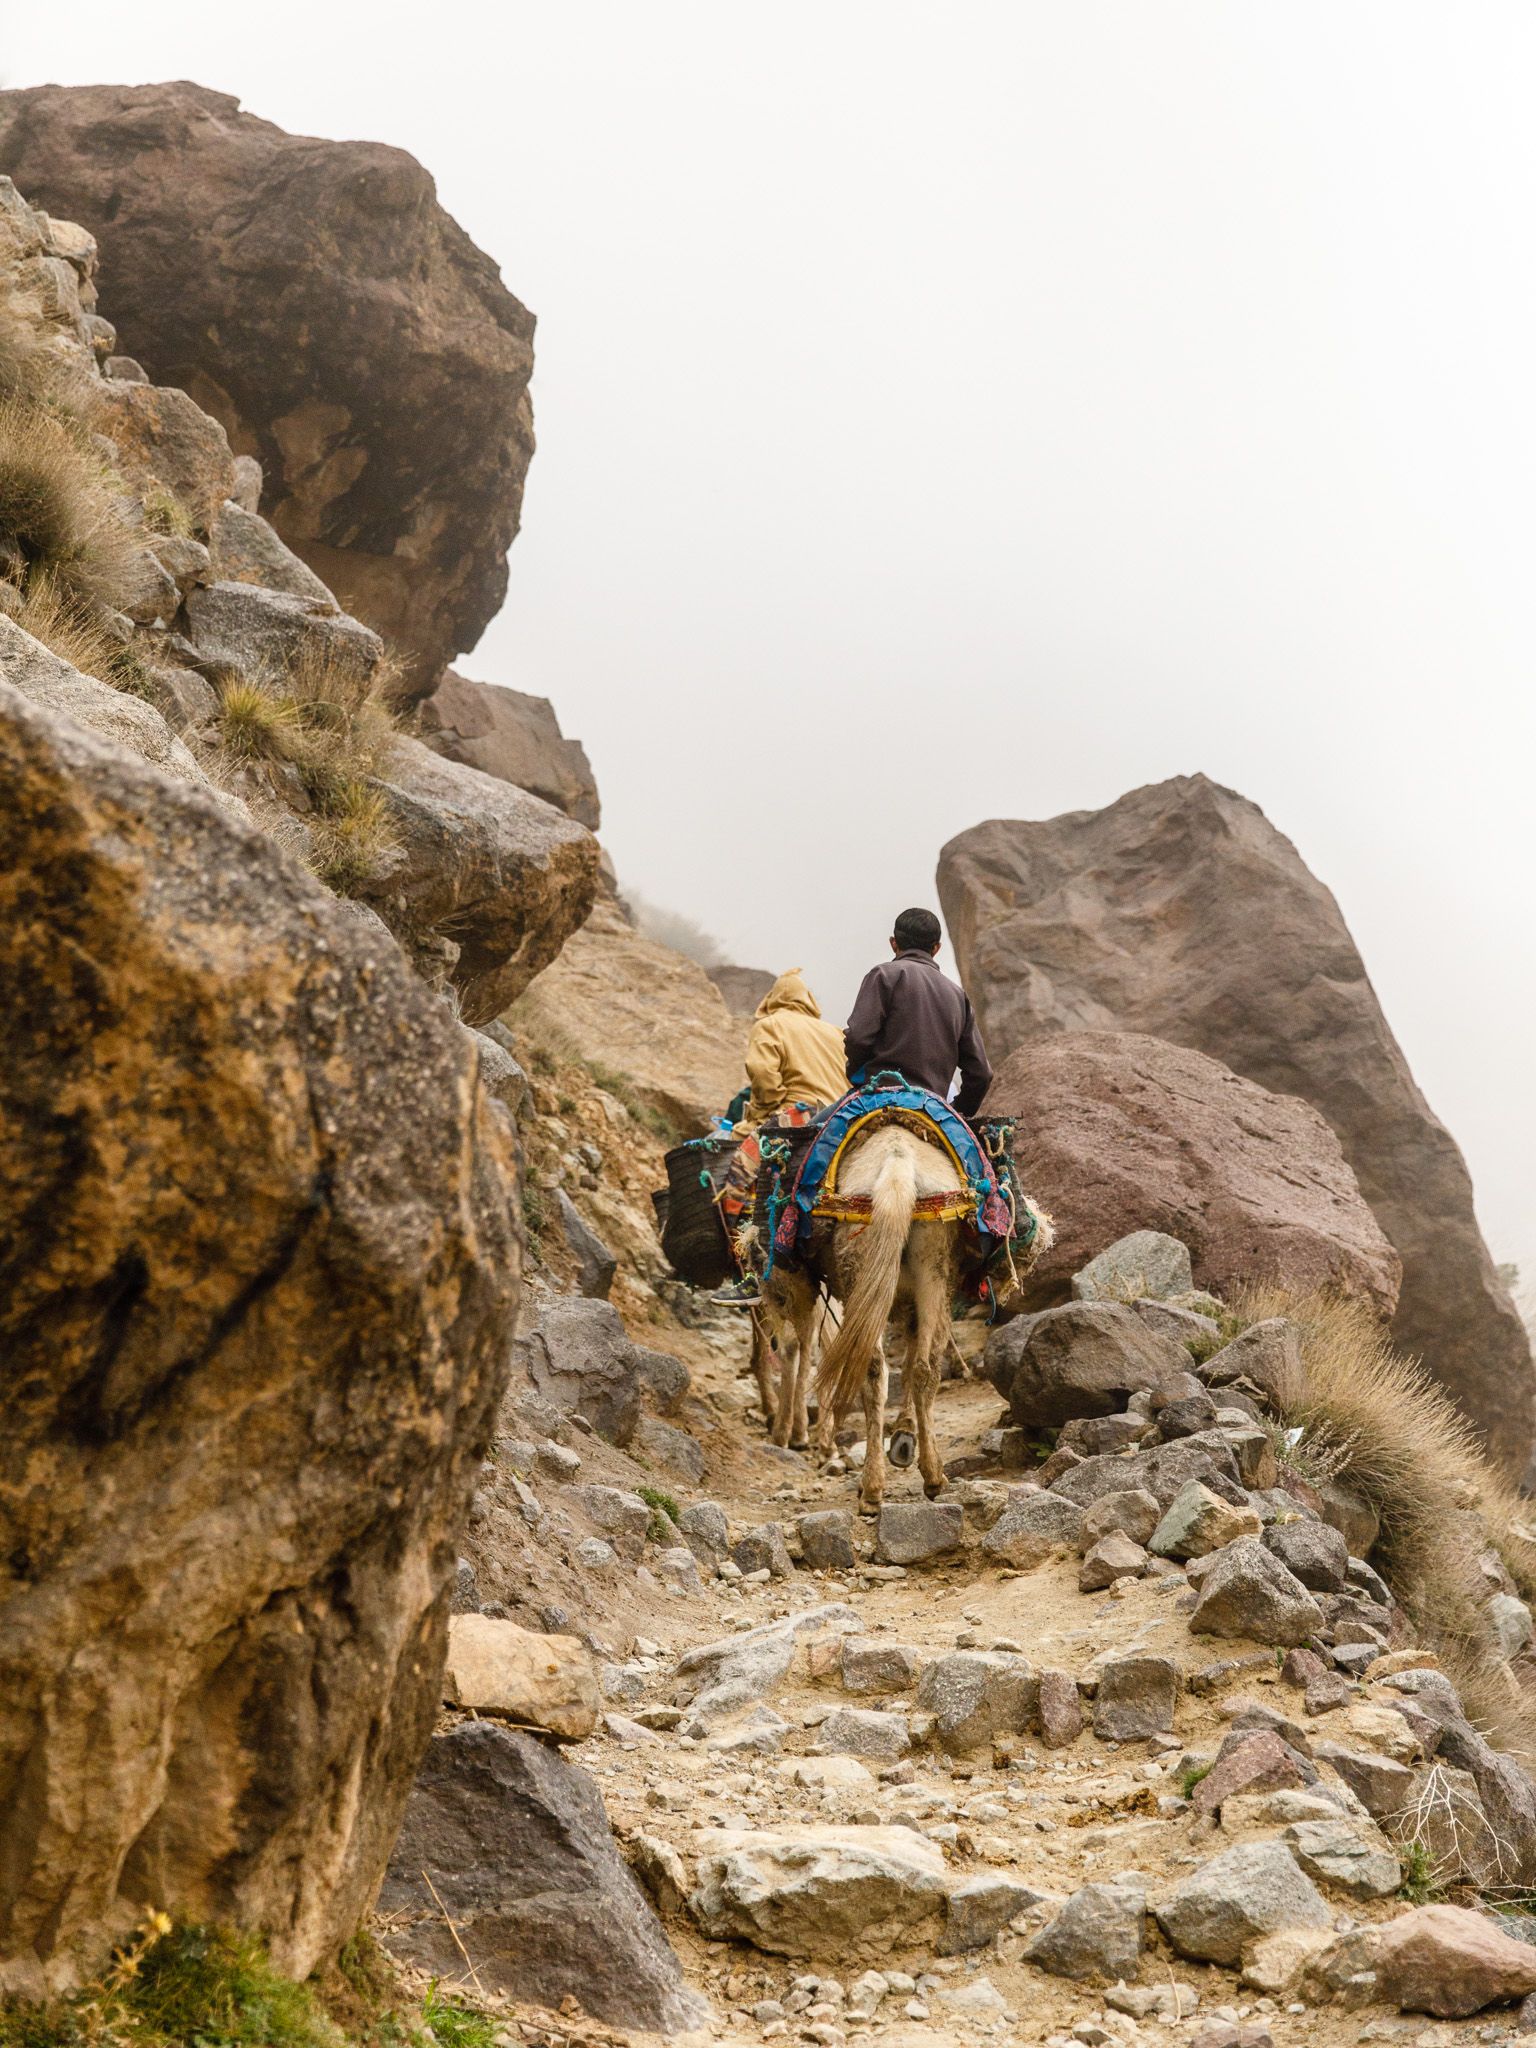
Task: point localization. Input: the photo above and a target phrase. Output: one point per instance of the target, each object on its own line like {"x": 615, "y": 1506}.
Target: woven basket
{"x": 693, "y": 1236}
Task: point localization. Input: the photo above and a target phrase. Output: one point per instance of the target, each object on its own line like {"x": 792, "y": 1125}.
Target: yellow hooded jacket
{"x": 793, "y": 1054}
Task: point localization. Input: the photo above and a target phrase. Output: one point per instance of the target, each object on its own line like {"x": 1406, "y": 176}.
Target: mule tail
{"x": 844, "y": 1362}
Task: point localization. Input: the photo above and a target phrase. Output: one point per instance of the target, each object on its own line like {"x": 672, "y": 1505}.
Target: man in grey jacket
{"x": 913, "y": 1019}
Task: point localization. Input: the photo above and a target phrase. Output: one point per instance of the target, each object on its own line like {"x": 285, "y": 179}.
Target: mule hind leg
{"x": 872, "y": 1480}
{"x": 933, "y": 1293}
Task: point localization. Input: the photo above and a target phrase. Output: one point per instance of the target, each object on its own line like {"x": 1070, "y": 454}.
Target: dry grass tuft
{"x": 352, "y": 838}
{"x": 165, "y": 513}
{"x": 256, "y": 726}
{"x": 347, "y": 719}
{"x": 1375, "y": 1419}
{"x": 331, "y": 728}
{"x": 59, "y": 516}
{"x": 68, "y": 631}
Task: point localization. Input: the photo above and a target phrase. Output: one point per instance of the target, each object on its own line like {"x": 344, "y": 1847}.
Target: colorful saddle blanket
{"x": 987, "y": 1200}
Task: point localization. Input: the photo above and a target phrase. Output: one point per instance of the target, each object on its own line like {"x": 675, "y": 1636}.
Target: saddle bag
{"x": 692, "y": 1229}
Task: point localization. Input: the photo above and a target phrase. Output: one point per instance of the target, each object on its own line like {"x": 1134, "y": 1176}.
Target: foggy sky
{"x": 971, "y": 410}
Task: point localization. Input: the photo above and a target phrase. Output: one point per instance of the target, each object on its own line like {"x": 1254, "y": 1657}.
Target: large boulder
{"x": 1180, "y": 911}
{"x": 261, "y": 1267}
{"x": 812, "y": 1891}
{"x": 496, "y": 876}
{"x": 581, "y": 1358}
{"x": 316, "y": 299}
{"x": 513, "y": 736}
{"x": 1084, "y": 1358}
{"x": 548, "y": 1683}
{"x": 1120, "y": 1134}
{"x": 507, "y": 1847}
{"x": 645, "y": 1017}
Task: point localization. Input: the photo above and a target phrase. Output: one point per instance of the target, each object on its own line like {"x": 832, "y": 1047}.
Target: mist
{"x": 968, "y": 411}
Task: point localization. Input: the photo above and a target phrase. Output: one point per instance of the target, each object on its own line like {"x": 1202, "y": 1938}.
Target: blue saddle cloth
{"x": 993, "y": 1216}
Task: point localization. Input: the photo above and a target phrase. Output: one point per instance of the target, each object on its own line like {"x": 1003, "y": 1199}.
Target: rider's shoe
{"x": 738, "y": 1294}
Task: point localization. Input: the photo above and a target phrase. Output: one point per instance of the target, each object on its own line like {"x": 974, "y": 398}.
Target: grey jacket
{"x": 910, "y": 1017}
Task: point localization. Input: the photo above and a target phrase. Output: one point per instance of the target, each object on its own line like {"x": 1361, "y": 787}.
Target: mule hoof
{"x": 799, "y": 1443}
{"x": 903, "y": 1449}
{"x": 869, "y": 1508}
{"x": 932, "y": 1489}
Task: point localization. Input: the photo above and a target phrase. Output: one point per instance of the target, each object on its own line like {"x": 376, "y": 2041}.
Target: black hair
{"x": 916, "y": 931}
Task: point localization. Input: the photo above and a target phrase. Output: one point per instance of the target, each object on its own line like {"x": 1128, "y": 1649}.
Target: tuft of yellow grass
{"x": 60, "y": 518}
{"x": 1374, "y": 1418}
{"x": 332, "y": 727}
{"x": 256, "y": 726}
{"x": 353, "y": 837}
{"x": 68, "y": 631}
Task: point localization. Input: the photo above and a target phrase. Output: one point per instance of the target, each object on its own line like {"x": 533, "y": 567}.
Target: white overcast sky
{"x": 977, "y": 409}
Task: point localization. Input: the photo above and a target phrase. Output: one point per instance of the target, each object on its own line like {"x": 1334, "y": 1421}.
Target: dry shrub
{"x": 59, "y": 516}
{"x": 68, "y": 631}
{"x": 323, "y": 723}
{"x": 351, "y": 837}
{"x": 346, "y": 714}
{"x": 1375, "y": 1419}
{"x": 670, "y": 928}
{"x": 165, "y": 513}
{"x": 256, "y": 726}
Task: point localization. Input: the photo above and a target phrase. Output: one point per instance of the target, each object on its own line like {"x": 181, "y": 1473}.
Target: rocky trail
{"x": 1045, "y": 1759}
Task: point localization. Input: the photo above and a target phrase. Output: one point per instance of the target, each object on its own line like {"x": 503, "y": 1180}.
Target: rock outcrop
{"x": 742, "y": 987}
{"x": 261, "y": 1269}
{"x": 1119, "y": 1132}
{"x": 496, "y": 876}
{"x": 270, "y": 690}
{"x": 626, "y": 1004}
{"x": 316, "y": 299}
{"x": 1181, "y": 912}
{"x": 513, "y": 736}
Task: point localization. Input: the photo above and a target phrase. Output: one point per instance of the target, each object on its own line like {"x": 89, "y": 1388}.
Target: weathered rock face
{"x": 261, "y": 1271}
{"x": 627, "y": 1003}
{"x": 514, "y": 737}
{"x": 1119, "y": 1132}
{"x": 315, "y": 298}
{"x": 517, "y": 1847}
{"x": 1180, "y": 911}
{"x": 500, "y": 876}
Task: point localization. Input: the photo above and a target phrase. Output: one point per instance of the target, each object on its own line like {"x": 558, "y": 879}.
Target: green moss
{"x": 662, "y": 1503}
{"x": 535, "y": 1215}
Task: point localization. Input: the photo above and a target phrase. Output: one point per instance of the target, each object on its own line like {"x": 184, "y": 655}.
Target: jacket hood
{"x": 789, "y": 992}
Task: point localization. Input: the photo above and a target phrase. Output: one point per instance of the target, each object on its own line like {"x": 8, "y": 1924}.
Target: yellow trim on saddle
{"x": 927, "y": 1209}
{"x": 856, "y": 1208}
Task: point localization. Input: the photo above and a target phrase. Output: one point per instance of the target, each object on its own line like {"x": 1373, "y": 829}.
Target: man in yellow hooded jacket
{"x": 793, "y": 1053}
{"x": 795, "y": 1063}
